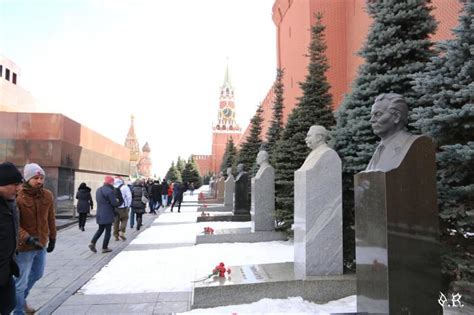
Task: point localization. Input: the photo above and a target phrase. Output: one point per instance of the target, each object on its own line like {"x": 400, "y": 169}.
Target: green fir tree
{"x": 180, "y": 164}
{"x": 173, "y": 174}
{"x": 250, "y": 147}
{"x": 276, "y": 124}
{"x": 230, "y": 156}
{"x": 447, "y": 115}
{"x": 191, "y": 173}
{"x": 397, "y": 46}
{"x": 313, "y": 108}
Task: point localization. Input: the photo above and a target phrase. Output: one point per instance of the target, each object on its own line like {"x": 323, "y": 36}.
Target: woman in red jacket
{"x": 170, "y": 193}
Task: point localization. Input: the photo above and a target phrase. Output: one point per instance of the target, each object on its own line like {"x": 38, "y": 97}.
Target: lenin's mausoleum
{"x": 347, "y": 25}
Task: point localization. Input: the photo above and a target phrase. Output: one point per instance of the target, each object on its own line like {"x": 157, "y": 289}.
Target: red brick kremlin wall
{"x": 219, "y": 142}
{"x": 347, "y": 25}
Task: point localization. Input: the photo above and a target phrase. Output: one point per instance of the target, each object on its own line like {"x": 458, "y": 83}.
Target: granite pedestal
{"x": 318, "y": 215}
{"x": 396, "y": 225}
{"x": 241, "y": 197}
{"x": 225, "y": 217}
{"x": 250, "y": 283}
{"x": 220, "y": 188}
{"x": 218, "y": 207}
{"x": 240, "y": 235}
{"x": 229, "y": 189}
{"x": 262, "y": 207}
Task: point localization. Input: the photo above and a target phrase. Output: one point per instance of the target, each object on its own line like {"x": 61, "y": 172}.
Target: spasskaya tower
{"x": 226, "y": 126}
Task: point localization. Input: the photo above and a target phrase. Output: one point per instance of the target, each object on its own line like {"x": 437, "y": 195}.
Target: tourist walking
{"x": 84, "y": 204}
{"x": 37, "y": 233}
{"x": 164, "y": 193}
{"x": 124, "y": 195}
{"x": 151, "y": 201}
{"x": 170, "y": 193}
{"x": 106, "y": 203}
{"x": 191, "y": 188}
{"x": 156, "y": 195}
{"x": 10, "y": 184}
{"x": 179, "y": 189}
{"x": 139, "y": 196}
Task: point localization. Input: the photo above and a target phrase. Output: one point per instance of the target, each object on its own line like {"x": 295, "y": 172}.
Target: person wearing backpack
{"x": 139, "y": 196}
{"x": 124, "y": 196}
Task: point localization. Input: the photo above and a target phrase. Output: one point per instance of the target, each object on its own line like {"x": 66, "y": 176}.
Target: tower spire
{"x": 227, "y": 82}
{"x": 131, "y": 142}
{"x": 226, "y": 113}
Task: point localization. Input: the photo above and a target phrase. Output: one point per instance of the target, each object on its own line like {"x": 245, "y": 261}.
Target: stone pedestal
{"x": 262, "y": 207}
{"x": 396, "y": 225}
{"x": 229, "y": 189}
{"x": 241, "y": 201}
{"x": 318, "y": 215}
{"x": 220, "y": 185}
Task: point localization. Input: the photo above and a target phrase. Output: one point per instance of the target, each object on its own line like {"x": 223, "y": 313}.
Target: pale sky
{"x": 99, "y": 61}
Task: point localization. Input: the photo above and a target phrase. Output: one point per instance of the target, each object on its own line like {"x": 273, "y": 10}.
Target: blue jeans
{"x": 31, "y": 265}
{"x": 103, "y": 227}
{"x": 151, "y": 204}
{"x": 132, "y": 217}
{"x": 164, "y": 200}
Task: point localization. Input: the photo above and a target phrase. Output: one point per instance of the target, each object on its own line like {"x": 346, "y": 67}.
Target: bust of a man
{"x": 241, "y": 202}
{"x": 316, "y": 141}
{"x": 240, "y": 171}
{"x": 389, "y": 117}
{"x": 262, "y": 160}
{"x": 229, "y": 174}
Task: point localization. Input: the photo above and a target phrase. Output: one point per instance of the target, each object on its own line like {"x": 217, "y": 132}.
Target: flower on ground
{"x": 220, "y": 270}
{"x": 208, "y": 230}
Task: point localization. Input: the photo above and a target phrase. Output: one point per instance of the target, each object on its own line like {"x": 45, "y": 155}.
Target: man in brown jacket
{"x": 37, "y": 230}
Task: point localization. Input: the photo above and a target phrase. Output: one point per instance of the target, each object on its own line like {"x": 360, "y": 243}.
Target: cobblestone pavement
{"x": 72, "y": 264}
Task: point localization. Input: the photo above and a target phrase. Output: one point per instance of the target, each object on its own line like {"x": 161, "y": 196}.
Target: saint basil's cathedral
{"x": 140, "y": 161}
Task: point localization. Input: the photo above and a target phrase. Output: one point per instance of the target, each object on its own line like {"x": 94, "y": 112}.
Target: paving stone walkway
{"x": 72, "y": 264}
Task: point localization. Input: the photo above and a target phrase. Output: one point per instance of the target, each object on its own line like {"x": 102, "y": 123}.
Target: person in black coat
{"x": 106, "y": 204}
{"x": 156, "y": 193}
{"x": 84, "y": 204}
{"x": 139, "y": 191}
{"x": 10, "y": 185}
{"x": 164, "y": 193}
{"x": 179, "y": 189}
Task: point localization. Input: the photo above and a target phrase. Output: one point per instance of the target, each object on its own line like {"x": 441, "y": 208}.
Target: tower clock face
{"x": 227, "y": 112}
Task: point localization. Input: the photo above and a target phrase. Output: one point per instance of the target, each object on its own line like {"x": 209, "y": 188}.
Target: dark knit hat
{"x": 9, "y": 174}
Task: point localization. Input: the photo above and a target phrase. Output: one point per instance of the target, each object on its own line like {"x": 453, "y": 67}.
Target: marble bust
{"x": 262, "y": 161}
{"x": 389, "y": 117}
{"x": 318, "y": 210}
{"x": 316, "y": 141}
{"x": 240, "y": 171}
{"x": 229, "y": 174}
{"x": 262, "y": 206}
{"x": 229, "y": 187}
